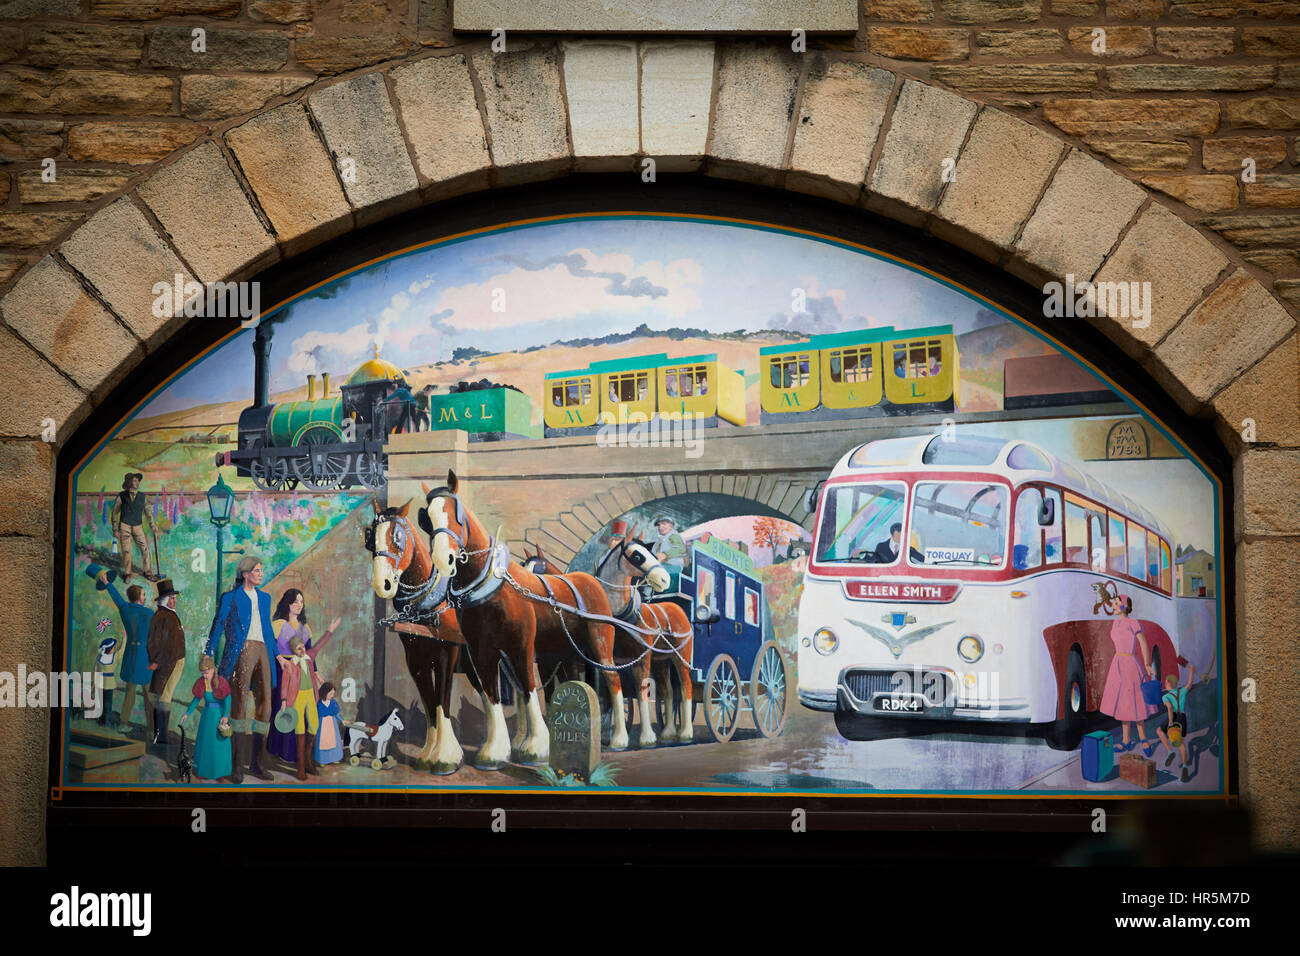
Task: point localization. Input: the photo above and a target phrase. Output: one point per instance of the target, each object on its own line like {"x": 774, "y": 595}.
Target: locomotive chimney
{"x": 311, "y": 388}
{"x": 324, "y": 384}
{"x": 262, "y": 364}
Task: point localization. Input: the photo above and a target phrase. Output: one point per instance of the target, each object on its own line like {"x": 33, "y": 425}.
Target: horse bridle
{"x": 426, "y": 523}
{"x": 401, "y": 533}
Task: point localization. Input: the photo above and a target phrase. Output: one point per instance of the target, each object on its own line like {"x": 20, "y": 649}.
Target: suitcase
{"x": 1098, "y": 756}
{"x": 1137, "y": 770}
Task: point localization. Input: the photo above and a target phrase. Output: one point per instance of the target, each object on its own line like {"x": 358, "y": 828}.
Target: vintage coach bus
{"x": 988, "y": 607}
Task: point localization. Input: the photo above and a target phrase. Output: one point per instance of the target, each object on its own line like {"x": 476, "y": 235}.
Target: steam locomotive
{"x": 331, "y": 442}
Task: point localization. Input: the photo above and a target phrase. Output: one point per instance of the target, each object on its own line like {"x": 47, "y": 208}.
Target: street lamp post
{"x": 221, "y": 500}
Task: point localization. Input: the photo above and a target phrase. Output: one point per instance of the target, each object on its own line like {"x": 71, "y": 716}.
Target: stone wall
{"x": 1122, "y": 165}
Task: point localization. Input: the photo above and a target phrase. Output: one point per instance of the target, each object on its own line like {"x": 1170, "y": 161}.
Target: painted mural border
{"x": 1223, "y": 792}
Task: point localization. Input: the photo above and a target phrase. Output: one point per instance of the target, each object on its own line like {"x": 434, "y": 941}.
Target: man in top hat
{"x": 670, "y": 549}
{"x": 132, "y": 650}
{"x": 166, "y": 647}
{"x": 244, "y": 618}
{"x": 130, "y": 515}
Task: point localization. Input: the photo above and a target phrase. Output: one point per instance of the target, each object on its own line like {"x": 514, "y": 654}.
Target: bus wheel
{"x": 1065, "y": 734}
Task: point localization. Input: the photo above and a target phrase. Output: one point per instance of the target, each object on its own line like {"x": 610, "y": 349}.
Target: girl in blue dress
{"x": 212, "y": 752}
{"x": 329, "y": 742}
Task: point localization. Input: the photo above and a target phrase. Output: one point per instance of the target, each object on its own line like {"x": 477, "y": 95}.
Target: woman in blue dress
{"x": 212, "y": 752}
{"x": 329, "y": 742}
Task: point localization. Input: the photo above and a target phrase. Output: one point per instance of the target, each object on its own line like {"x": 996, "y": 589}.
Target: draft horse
{"x": 403, "y": 574}
{"x": 506, "y": 612}
{"x": 657, "y": 636}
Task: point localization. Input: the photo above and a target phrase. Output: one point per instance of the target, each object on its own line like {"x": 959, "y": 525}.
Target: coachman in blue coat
{"x": 135, "y": 673}
{"x": 244, "y": 621}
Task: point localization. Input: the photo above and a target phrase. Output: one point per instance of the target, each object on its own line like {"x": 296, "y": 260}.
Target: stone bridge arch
{"x": 344, "y": 152}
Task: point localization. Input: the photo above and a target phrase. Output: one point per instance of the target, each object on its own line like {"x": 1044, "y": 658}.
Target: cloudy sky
{"x": 577, "y": 279}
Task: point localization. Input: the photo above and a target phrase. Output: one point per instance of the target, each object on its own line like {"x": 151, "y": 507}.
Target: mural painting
{"x": 645, "y": 504}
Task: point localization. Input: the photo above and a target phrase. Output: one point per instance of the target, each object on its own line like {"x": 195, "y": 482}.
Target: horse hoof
{"x": 423, "y": 765}
{"x": 446, "y": 769}
{"x": 490, "y": 765}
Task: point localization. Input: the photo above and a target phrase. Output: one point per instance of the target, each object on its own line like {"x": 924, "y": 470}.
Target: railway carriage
{"x": 864, "y": 373}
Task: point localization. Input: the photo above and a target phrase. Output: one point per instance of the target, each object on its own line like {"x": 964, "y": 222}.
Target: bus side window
{"x": 1116, "y": 555}
{"x": 1076, "y": 533}
{"x": 1027, "y": 552}
{"x": 1166, "y": 573}
{"x": 1153, "y": 560}
{"x": 1053, "y": 548}
{"x": 1137, "y": 551}
{"x": 1097, "y": 537}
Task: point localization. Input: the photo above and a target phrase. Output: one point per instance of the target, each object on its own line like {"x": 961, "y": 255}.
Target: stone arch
{"x": 273, "y": 185}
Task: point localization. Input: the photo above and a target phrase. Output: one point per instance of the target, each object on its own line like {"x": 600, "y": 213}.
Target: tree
{"x": 770, "y": 533}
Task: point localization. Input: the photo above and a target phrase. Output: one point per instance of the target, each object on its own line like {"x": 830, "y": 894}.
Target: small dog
{"x": 1106, "y": 592}
{"x": 184, "y": 762}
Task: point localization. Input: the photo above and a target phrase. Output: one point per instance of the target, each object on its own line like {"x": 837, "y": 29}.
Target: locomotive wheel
{"x": 272, "y": 475}
{"x": 722, "y": 692}
{"x": 767, "y": 690}
{"x": 370, "y": 470}
{"x": 334, "y": 467}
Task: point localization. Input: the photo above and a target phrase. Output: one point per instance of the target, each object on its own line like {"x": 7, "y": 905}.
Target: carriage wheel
{"x": 354, "y": 760}
{"x": 376, "y": 763}
{"x": 370, "y": 470}
{"x": 767, "y": 690}
{"x": 722, "y": 698}
{"x": 271, "y": 474}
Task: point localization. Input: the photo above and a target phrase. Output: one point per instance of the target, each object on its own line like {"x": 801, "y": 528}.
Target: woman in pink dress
{"x": 1122, "y": 696}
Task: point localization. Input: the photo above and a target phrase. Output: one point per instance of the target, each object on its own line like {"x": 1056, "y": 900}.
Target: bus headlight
{"x": 825, "y": 641}
{"x": 971, "y": 648}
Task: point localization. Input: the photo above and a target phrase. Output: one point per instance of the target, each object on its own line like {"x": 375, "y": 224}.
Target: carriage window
{"x": 856, "y": 522}
{"x": 704, "y": 585}
{"x": 634, "y": 387}
{"x": 730, "y": 612}
{"x": 1052, "y": 547}
{"x": 1027, "y": 552}
{"x": 935, "y": 349}
{"x": 1116, "y": 557}
{"x": 751, "y": 607}
{"x": 1076, "y": 531}
{"x": 791, "y": 371}
{"x": 1166, "y": 572}
{"x": 921, "y": 359}
{"x": 1153, "y": 559}
{"x": 1137, "y": 550}
{"x": 851, "y": 365}
{"x": 572, "y": 392}
{"x": 557, "y": 396}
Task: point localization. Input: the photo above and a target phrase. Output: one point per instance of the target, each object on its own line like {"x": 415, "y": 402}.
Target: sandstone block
{"x": 292, "y": 177}
{"x": 1019, "y": 77}
{"x": 1135, "y": 9}
{"x": 1178, "y": 262}
{"x": 1145, "y": 154}
{"x": 633, "y": 16}
{"x": 1237, "y": 324}
{"x": 1179, "y": 76}
{"x": 30, "y": 139}
{"x": 84, "y": 91}
{"x": 327, "y": 54}
{"x": 359, "y": 123}
{"x": 119, "y": 254}
{"x": 843, "y": 106}
{"x": 1018, "y": 43}
{"x": 72, "y": 184}
{"x": 1277, "y": 261}
{"x": 1268, "y": 496}
{"x": 1077, "y": 221}
{"x": 990, "y": 11}
{"x": 1274, "y": 190}
{"x": 49, "y": 308}
{"x": 918, "y": 43}
{"x": 283, "y": 11}
{"x": 22, "y": 9}
{"x": 1270, "y": 41}
{"x": 928, "y": 127}
{"x": 157, "y": 9}
{"x": 1120, "y": 41}
{"x": 227, "y": 50}
{"x": 203, "y": 208}
{"x": 906, "y": 11}
{"x": 76, "y": 44}
{"x": 1257, "y": 395}
{"x": 600, "y": 83}
{"x": 26, "y": 488}
{"x": 45, "y": 395}
{"x": 436, "y": 100}
{"x": 526, "y": 117}
{"x": 1288, "y": 290}
{"x": 982, "y": 208}
{"x": 130, "y": 143}
{"x": 1258, "y": 229}
{"x": 1127, "y": 117}
{"x": 1195, "y": 43}
{"x": 1207, "y": 193}
{"x": 220, "y": 97}
{"x": 26, "y": 230}
{"x": 1228, "y": 152}
{"x": 676, "y": 94}
{"x": 10, "y": 263}
{"x": 756, "y": 95}
{"x": 1264, "y": 112}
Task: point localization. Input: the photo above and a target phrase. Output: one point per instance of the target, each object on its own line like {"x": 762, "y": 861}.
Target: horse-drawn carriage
{"x": 735, "y": 666}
